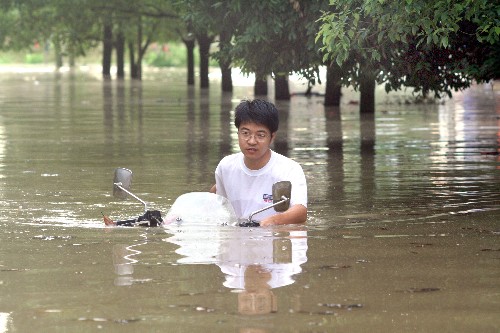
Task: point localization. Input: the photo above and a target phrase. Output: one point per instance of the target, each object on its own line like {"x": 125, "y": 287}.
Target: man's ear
{"x": 273, "y": 136}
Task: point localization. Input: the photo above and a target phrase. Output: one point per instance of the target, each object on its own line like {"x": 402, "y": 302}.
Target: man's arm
{"x": 295, "y": 214}
{"x": 213, "y": 189}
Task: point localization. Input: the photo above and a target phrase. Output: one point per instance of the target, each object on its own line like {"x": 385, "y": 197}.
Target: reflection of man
{"x": 257, "y": 298}
{"x": 281, "y": 256}
{"x": 257, "y": 261}
{"x": 253, "y": 260}
{"x": 5, "y": 322}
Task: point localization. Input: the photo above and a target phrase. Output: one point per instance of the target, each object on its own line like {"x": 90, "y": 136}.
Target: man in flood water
{"x": 246, "y": 178}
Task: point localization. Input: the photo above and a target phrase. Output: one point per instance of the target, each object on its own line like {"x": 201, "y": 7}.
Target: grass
{"x": 166, "y": 55}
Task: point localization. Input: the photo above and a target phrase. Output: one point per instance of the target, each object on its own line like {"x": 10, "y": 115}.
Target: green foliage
{"x": 435, "y": 46}
{"x": 169, "y": 55}
{"x": 34, "y": 58}
{"x": 279, "y": 42}
{"x": 6, "y": 58}
{"x": 75, "y": 26}
{"x": 431, "y": 45}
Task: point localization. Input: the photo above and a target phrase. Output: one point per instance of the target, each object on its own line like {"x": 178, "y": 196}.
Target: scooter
{"x": 122, "y": 183}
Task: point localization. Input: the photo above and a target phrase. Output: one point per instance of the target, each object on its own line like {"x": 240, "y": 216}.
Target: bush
{"x": 168, "y": 55}
{"x": 171, "y": 55}
{"x": 34, "y": 58}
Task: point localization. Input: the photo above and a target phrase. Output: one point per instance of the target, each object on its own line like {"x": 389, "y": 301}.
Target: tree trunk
{"x": 71, "y": 55}
{"x": 72, "y": 60}
{"x": 225, "y": 62}
{"x": 133, "y": 67}
{"x": 136, "y": 63}
{"x": 281, "y": 88}
{"x": 190, "y": 42}
{"x": 333, "y": 90}
{"x": 58, "y": 52}
{"x": 120, "y": 55}
{"x": 260, "y": 86}
{"x": 204, "y": 42}
{"x": 140, "y": 52}
{"x": 107, "y": 50}
{"x": 367, "y": 90}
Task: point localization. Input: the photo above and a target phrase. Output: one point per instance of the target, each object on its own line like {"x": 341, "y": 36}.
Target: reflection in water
{"x": 190, "y": 150}
{"x": 281, "y": 255}
{"x": 335, "y": 157}
{"x": 367, "y": 152}
{"x": 282, "y": 141}
{"x": 254, "y": 261}
{"x": 226, "y": 124}
{"x": 418, "y": 203}
{"x": 203, "y": 136}
{"x": 123, "y": 118}
{"x": 6, "y": 322}
{"x": 2, "y": 148}
{"x": 257, "y": 261}
{"x": 123, "y": 262}
{"x": 257, "y": 297}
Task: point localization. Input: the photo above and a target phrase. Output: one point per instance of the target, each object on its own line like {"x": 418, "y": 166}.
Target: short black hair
{"x": 257, "y": 111}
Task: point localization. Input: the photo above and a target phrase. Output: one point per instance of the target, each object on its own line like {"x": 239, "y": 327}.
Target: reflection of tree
{"x": 281, "y": 144}
{"x": 107, "y": 108}
{"x": 225, "y": 124}
{"x": 190, "y": 118}
{"x": 204, "y": 136}
{"x": 198, "y": 134}
{"x": 114, "y": 110}
{"x": 367, "y": 151}
{"x": 136, "y": 110}
{"x": 335, "y": 144}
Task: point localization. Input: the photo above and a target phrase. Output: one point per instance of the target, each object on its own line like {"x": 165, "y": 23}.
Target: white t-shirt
{"x": 250, "y": 190}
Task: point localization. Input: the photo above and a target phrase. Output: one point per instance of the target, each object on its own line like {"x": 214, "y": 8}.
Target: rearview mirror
{"x": 281, "y": 191}
{"x": 122, "y": 182}
{"x": 121, "y": 186}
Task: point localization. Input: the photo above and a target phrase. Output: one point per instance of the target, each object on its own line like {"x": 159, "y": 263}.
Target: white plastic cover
{"x": 201, "y": 208}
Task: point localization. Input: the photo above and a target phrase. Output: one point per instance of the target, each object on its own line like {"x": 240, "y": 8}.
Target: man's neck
{"x": 258, "y": 164}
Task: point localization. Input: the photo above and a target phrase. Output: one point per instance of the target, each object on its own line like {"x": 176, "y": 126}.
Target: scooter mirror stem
{"x": 283, "y": 199}
{"x": 119, "y": 185}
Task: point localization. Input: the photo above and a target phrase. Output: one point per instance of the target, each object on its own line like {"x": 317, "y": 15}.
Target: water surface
{"x": 403, "y": 229}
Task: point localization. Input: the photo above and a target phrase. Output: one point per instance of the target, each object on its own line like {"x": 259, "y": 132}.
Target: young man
{"x": 246, "y": 178}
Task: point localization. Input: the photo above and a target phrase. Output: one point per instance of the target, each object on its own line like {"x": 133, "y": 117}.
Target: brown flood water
{"x": 403, "y": 231}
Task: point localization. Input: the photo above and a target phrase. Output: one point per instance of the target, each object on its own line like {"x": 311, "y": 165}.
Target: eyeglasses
{"x": 259, "y": 136}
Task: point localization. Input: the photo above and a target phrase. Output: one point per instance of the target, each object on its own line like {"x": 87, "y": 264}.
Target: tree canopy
{"x": 433, "y": 46}
{"x": 430, "y": 45}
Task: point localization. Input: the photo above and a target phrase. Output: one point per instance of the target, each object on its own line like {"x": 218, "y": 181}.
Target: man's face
{"x": 255, "y": 141}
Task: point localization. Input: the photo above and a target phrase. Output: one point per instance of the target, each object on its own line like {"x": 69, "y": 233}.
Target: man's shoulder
{"x": 282, "y": 159}
{"x": 232, "y": 157}
{"x": 230, "y": 160}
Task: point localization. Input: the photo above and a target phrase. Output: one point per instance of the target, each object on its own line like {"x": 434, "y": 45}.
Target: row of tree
{"x": 433, "y": 46}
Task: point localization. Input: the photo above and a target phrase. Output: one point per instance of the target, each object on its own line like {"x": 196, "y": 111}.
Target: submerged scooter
{"x": 201, "y": 203}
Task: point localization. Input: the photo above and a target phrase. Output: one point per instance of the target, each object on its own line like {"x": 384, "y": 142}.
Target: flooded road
{"x": 402, "y": 235}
